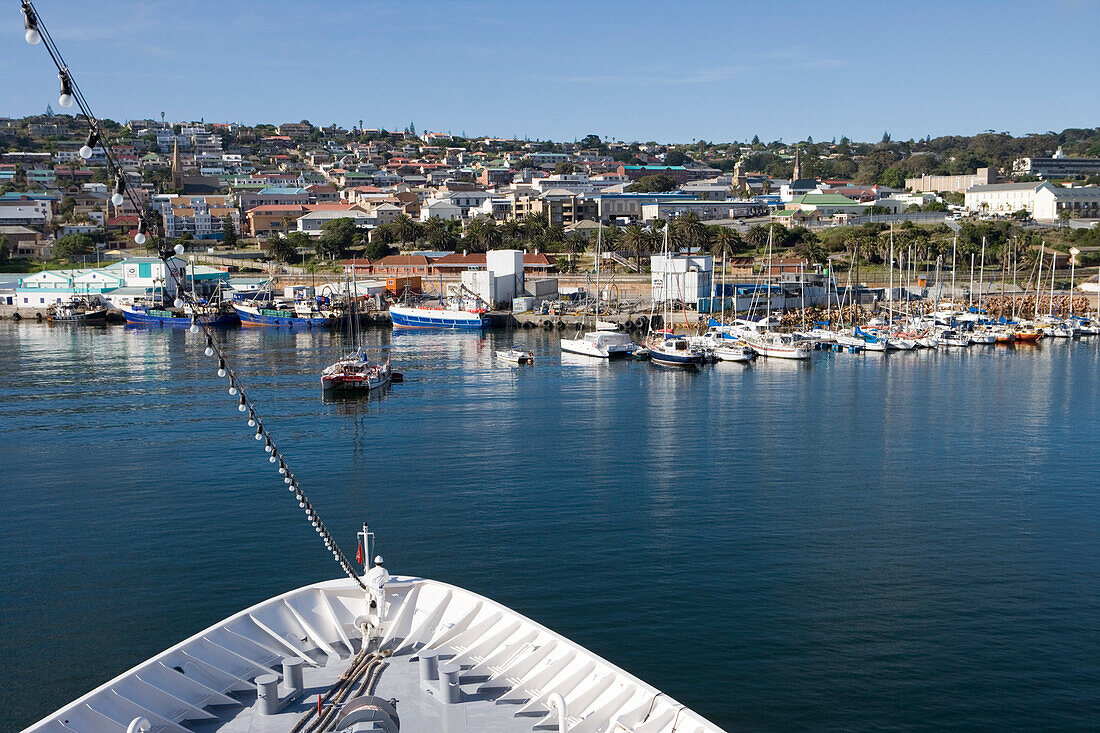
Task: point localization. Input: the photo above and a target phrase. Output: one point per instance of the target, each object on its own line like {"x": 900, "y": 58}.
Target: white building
{"x": 313, "y": 222}
{"x": 116, "y": 284}
{"x": 576, "y": 183}
{"x": 501, "y": 280}
{"x": 200, "y": 216}
{"x": 444, "y": 210}
{"x": 685, "y": 278}
{"x": 1043, "y": 200}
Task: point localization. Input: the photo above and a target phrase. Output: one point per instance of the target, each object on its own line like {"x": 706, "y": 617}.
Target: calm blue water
{"x": 864, "y": 543}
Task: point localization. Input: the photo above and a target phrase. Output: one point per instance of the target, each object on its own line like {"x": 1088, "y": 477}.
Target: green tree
{"x": 482, "y": 235}
{"x": 438, "y": 234}
{"x": 675, "y": 157}
{"x": 757, "y": 236}
{"x": 637, "y": 241}
{"x": 337, "y": 237}
{"x": 229, "y": 233}
{"x": 653, "y": 184}
{"x": 378, "y": 247}
{"x": 72, "y": 246}
{"x": 688, "y": 230}
{"x": 405, "y": 228}
{"x": 893, "y": 177}
{"x": 279, "y": 248}
{"x": 574, "y": 244}
{"x": 5, "y": 250}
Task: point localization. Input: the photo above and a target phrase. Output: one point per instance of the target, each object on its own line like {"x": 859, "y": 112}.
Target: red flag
{"x": 359, "y": 553}
{"x": 318, "y": 704}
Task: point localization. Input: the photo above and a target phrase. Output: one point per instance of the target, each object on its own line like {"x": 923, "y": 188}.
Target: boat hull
{"x": 347, "y": 384}
{"x": 96, "y": 316}
{"x": 138, "y": 316}
{"x": 255, "y": 317}
{"x": 678, "y": 360}
{"x": 453, "y": 320}
{"x": 582, "y": 347}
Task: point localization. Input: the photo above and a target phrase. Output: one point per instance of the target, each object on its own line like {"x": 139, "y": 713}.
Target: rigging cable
{"x": 150, "y": 222}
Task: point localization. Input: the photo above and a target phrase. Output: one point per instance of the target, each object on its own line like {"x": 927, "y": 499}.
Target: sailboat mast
{"x": 970, "y": 294}
{"x": 1039, "y": 277}
{"x": 599, "y": 243}
{"x": 890, "y": 292}
{"x": 981, "y": 279}
{"x": 771, "y": 229}
{"x": 954, "y": 246}
{"x": 1053, "y": 264}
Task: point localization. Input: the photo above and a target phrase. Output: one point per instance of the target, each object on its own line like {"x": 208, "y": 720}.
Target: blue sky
{"x": 666, "y": 71}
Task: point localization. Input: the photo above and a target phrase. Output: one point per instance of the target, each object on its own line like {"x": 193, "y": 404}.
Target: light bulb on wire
{"x": 30, "y": 22}
{"x": 66, "y": 98}
{"x": 120, "y": 186}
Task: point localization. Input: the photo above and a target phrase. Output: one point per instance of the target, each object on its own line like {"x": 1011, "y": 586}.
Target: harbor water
{"x": 866, "y": 542}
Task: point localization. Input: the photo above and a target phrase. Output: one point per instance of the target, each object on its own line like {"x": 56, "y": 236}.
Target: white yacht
{"x": 601, "y": 344}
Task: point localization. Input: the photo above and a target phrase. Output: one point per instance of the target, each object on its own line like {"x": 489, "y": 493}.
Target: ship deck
{"x": 418, "y": 708}
{"x": 506, "y": 671}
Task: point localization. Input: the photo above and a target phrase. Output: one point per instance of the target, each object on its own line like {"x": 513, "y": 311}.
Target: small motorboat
{"x": 954, "y": 338}
{"x": 734, "y": 352}
{"x": 516, "y": 355}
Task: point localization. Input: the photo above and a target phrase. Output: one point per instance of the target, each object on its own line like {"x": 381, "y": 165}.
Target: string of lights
{"x": 148, "y": 223}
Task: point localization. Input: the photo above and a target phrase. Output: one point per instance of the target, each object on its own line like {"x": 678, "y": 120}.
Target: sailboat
{"x": 666, "y": 348}
{"x": 772, "y": 343}
{"x": 355, "y": 372}
{"x": 606, "y": 341}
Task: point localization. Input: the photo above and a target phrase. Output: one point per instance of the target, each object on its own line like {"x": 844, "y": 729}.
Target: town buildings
{"x": 1042, "y": 200}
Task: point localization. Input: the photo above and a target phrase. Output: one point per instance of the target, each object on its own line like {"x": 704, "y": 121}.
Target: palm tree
{"x": 637, "y": 241}
{"x": 688, "y": 230}
{"x": 438, "y": 234}
{"x": 552, "y": 237}
{"x": 511, "y": 230}
{"x": 405, "y": 229}
{"x": 574, "y": 244}
{"x": 812, "y": 250}
{"x": 482, "y": 235}
{"x": 533, "y": 226}
{"x": 757, "y": 236}
{"x": 611, "y": 235}
{"x": 724, "y": 244}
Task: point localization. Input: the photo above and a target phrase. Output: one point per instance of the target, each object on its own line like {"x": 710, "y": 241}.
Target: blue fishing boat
{"x": 151, "y": 316}
{"x": 319, "y": 313}
{"x": 463, "y": 312}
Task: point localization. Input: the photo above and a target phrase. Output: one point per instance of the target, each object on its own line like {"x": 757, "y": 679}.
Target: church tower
{"x": 740, "y": 180}
{"x": 797, "y": 167}
{"x": 177, "y": 167}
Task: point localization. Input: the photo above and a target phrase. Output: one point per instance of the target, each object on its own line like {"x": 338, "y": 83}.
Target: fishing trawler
{"x": 319, "y": 312}
{"x": 182, "y": 316}
{"x": 465, "y": 311}
{"x": 368, "y": 652}
{"x": 77, "y": 310}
